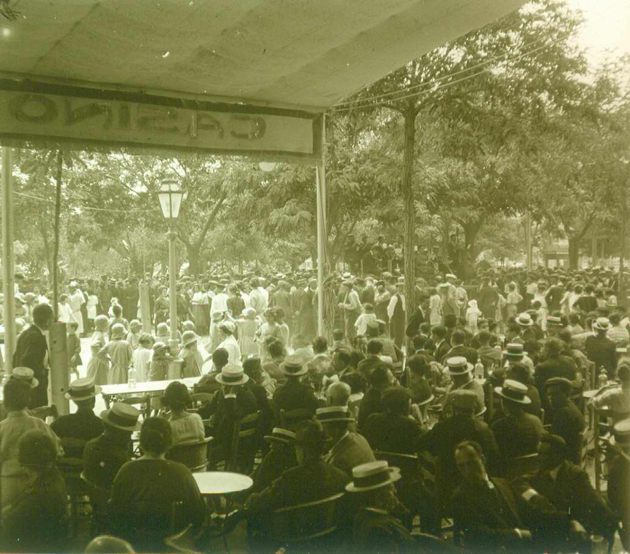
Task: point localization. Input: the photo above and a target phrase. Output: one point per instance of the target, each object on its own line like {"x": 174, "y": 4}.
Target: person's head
{"x": 615, "y": 318}
{"x": 101, "y": 323}
{"x": 320, "y": 345}
{"x": 156, "y": 436}
{"x": 73, "y": 327}
{"x": 483, "y": 325}
{"x": 338, "y": 394}
{"x": 270, "y": 315}
{"x": 551, "y": 451}
{"x": 374, "y": 347}
{"x": 471, "y": 462}
{"x": 253, "y": 368}
{"x": 438, "y": 333}
{"x": 396, "y": 401}
{"x": 43, "y": 316}
{"x": 419, "y": 367}
{"x": 227, "y": 328}
{"x": 458, "y": 337}
{"x": 484, "y": 338}
{"x": 356, "y": 381}
{"x": 558, "y": 391}
{"x": 337, "y": 335}
{"x": 106, "y": 544}
{"x": 275, "y": 349}
{"x": 574, "y": 319}
{"x": 623, "y": 374}
{"x": 554, "y": 347}
{"x": 518, "y": 371}
{"x": 117, "y": 310}
{"x": 419, "y": 343}
{"x": 176, "y": 397}
{"x": 464, "y": 402}
{"x": 17, "y": 395}
{"x": 368, "y": 308}
{"x": 342, "y": 358}
{"x": 220, "y": 358}
{"x": 145, "y": 340}
{"x": 37, "y": 451}
{"x": 380, "y": 376}
{"x": 135, "y": 325}
{"x": 373, "y": 484}
{"x": 310, "y": 441}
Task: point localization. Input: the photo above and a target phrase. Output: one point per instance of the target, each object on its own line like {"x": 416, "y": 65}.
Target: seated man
{"x": 338, "y": 394}
{"x": 84, "y": 424}
{"x": 373, "y": 359}
{"x": 294, "y": 394}
{"x": 393, "y": 430}
{"x": 518, "y": 372}
{"x": 419, "y": 366}
{"x": 460, "y": 372}
{"x": 569, "y": 488}
{"x": 616, "y": 399}
{"x": 492, "y": 515}
{"x": 517, "y": 433}
{"x": 313, "y": 479}
{"x": 347, "y": 449}
{"x": 380, "y": 378}
{"x": 106, "y": 454}
{"x": 566, "y": 420}
{"x": 280, "y": 457}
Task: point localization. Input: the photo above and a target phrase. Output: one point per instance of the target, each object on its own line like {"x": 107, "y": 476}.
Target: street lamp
{"x": 171, "y": 196}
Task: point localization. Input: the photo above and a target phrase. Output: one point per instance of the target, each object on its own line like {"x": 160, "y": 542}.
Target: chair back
{"x": 245, "y": 430}
{"x": 522, "y": 465}
{"x": 72, "y": 460}
{"x": 194, "y": 455}
{"x": 584, "y": 448}
{"x": 184, "y": 541}
{"x": 200, "y": 400}
{"x": 290, "y": 419}
{"x": 147, "y": 524}
{"x": 99, "y": 498}
{"x": 306, "y": 522}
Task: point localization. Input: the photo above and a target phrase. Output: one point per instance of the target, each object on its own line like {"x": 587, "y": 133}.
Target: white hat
{"x": 233, "y": 375}
{"x": 458, "y": 365}
{"x": 372, "y": 475}
{"x": 514, "y": 391}
{"x": 82, "y": 389}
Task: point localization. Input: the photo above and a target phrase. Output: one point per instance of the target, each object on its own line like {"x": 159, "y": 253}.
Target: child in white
{"x": 362, "y": 321}
{"x": 472, "y": 316}
{"x": 142, "y": 357}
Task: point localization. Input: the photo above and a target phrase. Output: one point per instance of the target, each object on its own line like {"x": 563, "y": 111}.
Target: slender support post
{"x": 174, "y": 342}
{"x": 8, "y": 278}
{"x": 321, "y": 230}
{"x": 528, "y": 238}
{"x": 621, "y": 288}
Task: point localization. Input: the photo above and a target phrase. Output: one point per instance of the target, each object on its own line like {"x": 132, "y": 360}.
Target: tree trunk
{"x": 574, "y": 252}
{"x": 55, "y": 264}
{"x": 192, "y": 253}
{"x": 406, "y": 186}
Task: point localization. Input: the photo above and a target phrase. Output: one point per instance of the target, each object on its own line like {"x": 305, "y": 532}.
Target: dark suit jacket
{"x": 553, "y": 367}
{"x": 413, "y": 327}
{"x": 442, "y": 350}
{"x": 469, "y": 353}
{"x": 30, "y": 352}
{"x": 392, "y": 433}
{"x": 366, "y": 366}
{"x": 571, "y": 491}
{"x": 603, "y": 352}
{"x": 378, "y": 532}
{"x": 569, "y": 423}
{"x": 274, "y": 464}
{"x": 349, "y": 452}
{"x": 294, "y": 395}
{"x": 370, "y": 404}
{"x": 517, "y": 437}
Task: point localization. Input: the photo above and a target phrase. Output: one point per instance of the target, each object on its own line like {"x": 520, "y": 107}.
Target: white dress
{"x": 141, "y": 360}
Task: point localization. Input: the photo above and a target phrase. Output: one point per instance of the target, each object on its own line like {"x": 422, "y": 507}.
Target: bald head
{"x": 110, "y": 545}
{"x": 338, "y": 394}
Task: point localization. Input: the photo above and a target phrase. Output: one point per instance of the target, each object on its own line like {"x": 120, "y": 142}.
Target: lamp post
{"x": 171, "y": 196}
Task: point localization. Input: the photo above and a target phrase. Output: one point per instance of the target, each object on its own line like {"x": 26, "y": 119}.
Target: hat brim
{"x": 330, "y": 420}
{"x": 135, "y": 427}
{"x": 528, "y": 324}
{"x": 190, "y": 341}
{"x": 242, "y": 381}
{"x": 271, "y": 438}
{"x": 33, "y": 383}
{"x": 524, "y": 400}
{"x": 302, "y": 371}
{"x": 469, "y": 368}
{"x": 97, "y": 391}
{"x": 427, "y": 401}
{"x": 394, "y": 475}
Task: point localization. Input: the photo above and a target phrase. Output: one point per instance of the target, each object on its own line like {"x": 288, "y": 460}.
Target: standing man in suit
{"x": 32, "y": 352}
{"x": 351, "y": 307}
{"x": 397, "y": 313}
{"x": 488, "y": 298}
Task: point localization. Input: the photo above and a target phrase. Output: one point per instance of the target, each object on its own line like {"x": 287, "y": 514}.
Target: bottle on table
{"x": 479, "y": 371}
{"x": 132, "y": 378}
{"x": 602, "y": 378}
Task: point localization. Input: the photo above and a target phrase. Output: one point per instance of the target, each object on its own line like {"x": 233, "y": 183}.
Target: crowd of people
{"x": 480, "y": 386}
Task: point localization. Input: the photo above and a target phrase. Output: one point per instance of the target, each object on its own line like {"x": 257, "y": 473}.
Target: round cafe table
{"x": 221, "y": 482}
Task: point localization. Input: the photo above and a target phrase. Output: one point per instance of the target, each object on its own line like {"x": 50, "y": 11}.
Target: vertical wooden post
{"x": 59, "y": 375}
{"x": 321, "y": 229}
{"x": 528, "y": 238}
{"x": 172, "y": 270}
{"x": 621, "y": 289}
{"x": 145, "y": 306}
{"x": 8, "y": 277}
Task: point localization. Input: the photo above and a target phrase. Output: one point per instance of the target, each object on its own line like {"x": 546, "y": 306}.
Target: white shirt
{"x": 219, "y": 303}
{"x": 392, "y": 304}
{"x": 234, "y": 352}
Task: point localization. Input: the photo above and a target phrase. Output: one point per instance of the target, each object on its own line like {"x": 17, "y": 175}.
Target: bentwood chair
{"x": 290, "y": 419}
{"x": 194, "y": 455}
{"x": 244, "y": 438}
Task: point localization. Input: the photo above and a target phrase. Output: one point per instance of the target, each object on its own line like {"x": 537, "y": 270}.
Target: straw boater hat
{"x": 122, "y": 416}
{"x": 233, "y": 375}
{"x": 118, "y": 331}
{"x": 524, "y": 320}
{"x": 189, "y": 337}
{"x": 333, "y": 413}
{"x": 554, "y": 321}
{"x": 372, "y": 475}
{"x": 25, "y": 375}
{"x": 514, "y": 391}
{"x": 602, "y": 323}
{"x": 293, "y": 366}
{"x": 82, "y": 389}
{"x": 514, "y": 350}
{"x": 279, "y": 435}
{"x": 458, "y": 365}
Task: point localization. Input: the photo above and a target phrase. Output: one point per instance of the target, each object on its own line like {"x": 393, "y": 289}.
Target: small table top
{"x": 146, "y": 387}
{"x": 221, "y": 482}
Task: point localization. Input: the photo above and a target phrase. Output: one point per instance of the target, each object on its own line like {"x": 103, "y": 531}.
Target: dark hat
{"x": 293, "y": 366}
{"x": 333, "y": 413}
{"x": 122, "y": 416}
{"x": 463, "y": 399}
{"x": 514, "y": 391}
{"x": 82, "y": 389}
{"x": 283, "y": 436}
{"x": 562, "y": 382}
{"x": 372, "y": 475}
{"x": 394, "y": 396}
{"x": 621, "y": 431}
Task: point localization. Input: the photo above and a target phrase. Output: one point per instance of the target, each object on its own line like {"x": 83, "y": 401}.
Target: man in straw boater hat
{"x": 493, "y": 514}
{"x": 311, "y": 480}
{"x": 376, "y": 527}
{"x": 232, "y": 402}
{"x": 568, "y": 487}
{"x": 441, "y": 440}
{"x": 106, "y": 454}
{"x": 514, "y": 353}
{"x": 619, "y": 479}
{"x": 517, "y": 433}
{"x": 294, "y": 394}
{"x": 348, "y": 449}
{"x": 460, "y": 372}
{"x": 525, "y": 324}
{"x": 280, "y": 457}
{"x": 600, "y": 349}
{"x": 566, "y": 420}
{"x": 84, "y": 424}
